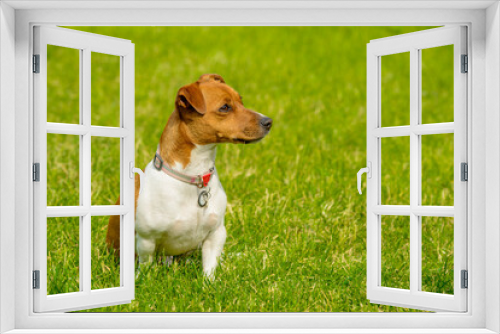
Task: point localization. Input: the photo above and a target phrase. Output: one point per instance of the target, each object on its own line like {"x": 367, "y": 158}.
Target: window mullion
{"x": 82, "y": 181}
{"x": 85, "y": 167}
{"x": 414, "y": 172}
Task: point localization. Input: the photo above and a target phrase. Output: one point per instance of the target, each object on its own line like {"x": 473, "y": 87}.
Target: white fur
{"x": 169, "y": 218}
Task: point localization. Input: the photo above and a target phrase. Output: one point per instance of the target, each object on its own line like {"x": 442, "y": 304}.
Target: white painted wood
{"x": 415, "y": 181}
{"x": 434, "y": 211}
{"x": 94, "y": 210}
{"x": 86, "y": 43}
{"x": 407, "y": 210}
{"x": 460, "y": 155}
{"x": 392, "y": 131}
{"x": 82, "y": 142}
{"x": 479, "y": 220}
{"x": 103, "y": 131}
{"x": 246, "y": 4}
{"x": 260, "y": 331}
{"x": 417, "y": 120}
{"x": 373, "y": 244}
{"x": 432, "y": 129}
{"x": 40, "y": 156}
{"x": 86, "y": 176}
{"x": 392, "y": 210}
{"x": 418, "y": 129}
{"x": 413, "y": 43}
{"x": 492, "y": 157}
{"x": 80, "y": 130}
{"x": 471, "y": 322}
{"x": 7, "y": 167}
{"x": 127, "y": 115}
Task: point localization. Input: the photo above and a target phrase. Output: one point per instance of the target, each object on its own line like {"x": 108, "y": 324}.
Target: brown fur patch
{"x": 113, "y": 234}
{"x": 239, "y": 124}
{"x": 175, "y": 144}
{"x": 189, "y": 98}
{"x": 211, "y": 77}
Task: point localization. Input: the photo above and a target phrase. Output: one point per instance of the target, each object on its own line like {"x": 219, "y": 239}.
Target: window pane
{"x": 63, "y": 170}
{"x": 105, "y": 89}
{"x": 437, "y": 84}
{"x": 105, "y": 170}
{"x": 437, "y": 169}
{"x": 395, "y": 171}
{"x": 395, "y": 93}
{"x": 63, "y": 255}
{"x": 63, "y": 85}
{"x": 437, "y": 254}
{"x": 105, "y": 261}
{"x": 395, "y": 262}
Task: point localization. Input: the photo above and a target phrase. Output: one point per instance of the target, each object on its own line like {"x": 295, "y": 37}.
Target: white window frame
{"x": 414, "y": 43}
{"x": 86, "y": 44}
{"x": 483, "y": 20}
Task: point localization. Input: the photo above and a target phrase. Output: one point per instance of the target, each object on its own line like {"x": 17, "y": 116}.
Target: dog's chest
{"x": 168, "y": 211}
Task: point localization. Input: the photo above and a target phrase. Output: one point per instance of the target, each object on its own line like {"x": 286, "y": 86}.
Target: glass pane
{"x": 63, "y": 85}
{"x": 395, "y": 95}
{"x": 437, "y": 85}
{"x": 105, "y": 260}
{"x": 63, "y": 255}
{"x": 437, "y": 254}
{"x": 105, "y": 78}
{"x": 395, "y": 171}
{"x": 63, "y": 170}
{"x": 437, "y": 169}
{"x": 105, "y": 170}
{"x": 395, "y": 252}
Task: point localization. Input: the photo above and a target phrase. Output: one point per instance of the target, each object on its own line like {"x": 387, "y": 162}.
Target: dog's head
{"x": 214, "y": 113}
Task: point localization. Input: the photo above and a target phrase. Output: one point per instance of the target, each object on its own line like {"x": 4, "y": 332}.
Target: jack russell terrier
{"x": 182, "y": 205}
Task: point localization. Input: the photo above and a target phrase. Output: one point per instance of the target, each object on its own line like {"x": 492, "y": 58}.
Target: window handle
{"x": 139, "y": 171}
{"x": 368, "y": 171}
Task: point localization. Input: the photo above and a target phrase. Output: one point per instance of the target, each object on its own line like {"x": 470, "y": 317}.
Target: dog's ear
{"x": 211, "y": 77}
{"x": 190, "y": 97}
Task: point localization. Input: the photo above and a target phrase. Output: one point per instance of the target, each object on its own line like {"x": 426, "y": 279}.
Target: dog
{"x": 182, "y": 205}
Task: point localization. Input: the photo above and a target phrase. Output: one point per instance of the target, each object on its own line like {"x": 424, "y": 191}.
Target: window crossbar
{"x": 418, "y": 210}
{"x": 80, "y": 130}
{"x": 421, "y": 129}
{"x": 94, "y": 210}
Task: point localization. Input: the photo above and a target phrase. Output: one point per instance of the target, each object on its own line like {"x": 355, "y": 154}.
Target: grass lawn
{"x": 296, "y": 224}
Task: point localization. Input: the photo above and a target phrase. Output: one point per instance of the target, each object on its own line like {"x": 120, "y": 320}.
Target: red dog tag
{"x": 206, "y": 179}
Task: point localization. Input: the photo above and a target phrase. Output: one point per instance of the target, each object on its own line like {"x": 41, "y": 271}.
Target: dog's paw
{"x": 209, "y": 274}
{"x": 143, "y": 269}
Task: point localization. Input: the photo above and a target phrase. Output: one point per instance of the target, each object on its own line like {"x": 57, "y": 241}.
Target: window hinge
{"x": 465, "y": 64}
{"x": 465, "y": 279}
{"x": 36, "y": 172}
{"x": 464, "y": 171}
{"x": 36, "y": 279}
{"x": 36, "y": 63}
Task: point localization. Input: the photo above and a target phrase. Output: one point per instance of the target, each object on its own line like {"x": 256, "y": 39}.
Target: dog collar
{"x": 200, "y": 180}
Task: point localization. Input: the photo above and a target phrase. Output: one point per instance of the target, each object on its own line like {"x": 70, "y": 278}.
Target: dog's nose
{"x": 266, "y": 122}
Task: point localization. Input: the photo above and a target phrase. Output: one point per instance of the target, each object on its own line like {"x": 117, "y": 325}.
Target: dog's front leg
{"x": 145, "y": 249}
{"x": 212, "y": 249}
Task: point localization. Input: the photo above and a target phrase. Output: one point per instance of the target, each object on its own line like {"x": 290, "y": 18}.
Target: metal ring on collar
{"x": 158, "y": 162}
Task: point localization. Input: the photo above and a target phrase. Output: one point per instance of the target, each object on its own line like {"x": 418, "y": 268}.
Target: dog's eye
{"x": 225, "y": 108}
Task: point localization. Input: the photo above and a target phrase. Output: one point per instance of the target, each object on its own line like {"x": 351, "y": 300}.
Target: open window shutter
{"x": 415, "y": 295}
{"x": 78, "y": 274}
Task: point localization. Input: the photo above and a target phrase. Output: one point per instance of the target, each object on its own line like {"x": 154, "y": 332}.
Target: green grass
{"x": 296, "y": 224}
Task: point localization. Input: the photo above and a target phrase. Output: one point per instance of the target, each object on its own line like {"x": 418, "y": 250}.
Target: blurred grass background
{"x": 296, "y": 224}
